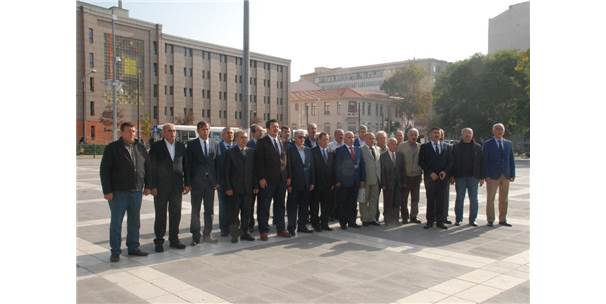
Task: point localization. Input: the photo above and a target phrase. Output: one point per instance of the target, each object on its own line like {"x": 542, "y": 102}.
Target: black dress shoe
{"x": 457, "y": 223}
{"x": 473, "y": 224}
{"x": 194, "y": 243}
{"x": 234, "y": 239}
{"x": 415, "y": 220}
{"x": 158, "y": 248}
{"x": 448, "y": 222}
{"x": 441, "y": 225}
{"x": 365, "y": 224}
{"x": 404, "y": 222}
{"x": 375, "y": 223}
{"x": 326, "y": 228}
{"x": 489, "y": 224}
{"x": 427, "y": 226}
{"x": 317, "y": 228}
{"x": 343, "y": 227}
{"x": 177, "y": 245}
{"x": 505, "y": 224}
{"x": 138, "y": 252}
{"x": 247, "y": 237}
{"x": 114, "y": 258}
{"x": 292, "y": 233}
{"x": 355, "y": 226}
{"x": 305, "y": 230}
{"x": 224, "y": 233}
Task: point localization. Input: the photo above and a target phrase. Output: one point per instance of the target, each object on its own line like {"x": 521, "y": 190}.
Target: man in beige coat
{"x": 370, "y": 154}
{"x": 412, "y": 179}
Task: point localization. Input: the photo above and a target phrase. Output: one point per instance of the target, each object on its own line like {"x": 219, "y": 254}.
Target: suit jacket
{"x": 220, "y": 162}
{"x": 308, "y": 142}
{"x": 118, "y": 172}
{"x": 494, "y": 163}
{"x": 348, "y": 172}
{"x": 372, "y": 164}
{"x": 240, "y": 171}
{"x": 431, "y": 162}
{"x": 167, "y": 173}
{"x": 269, "y": 164}
{"x": 324, "y": 170}
{"x": 459, "y": 158}
{"x": 301, "y": 174}
{"x": 392, "y": 175}
{"x": 200, "y": 170}
{"x": 251, "y": 144}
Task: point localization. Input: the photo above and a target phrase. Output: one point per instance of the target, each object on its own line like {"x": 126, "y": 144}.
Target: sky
{"x": 331, "y": 33}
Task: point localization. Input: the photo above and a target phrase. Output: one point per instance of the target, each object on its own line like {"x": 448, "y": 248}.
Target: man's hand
{"x": 154, "y": 191}
{"x": 186, "y": 189}
{"x": 109, "y": 196}
{"x": 434, "y": 177}
{"x": 481, "y": 182}
{"x": 311, "y": 187}
{"x": 288, "y": 180}
{"x": 229, "y": 192}
{"x": 337, "y": 185}
{"x": 442, "y": 175}
{"x": 146, "y": 191}
{"x": 452, "y": 180}
{"x": 263, "y": 183}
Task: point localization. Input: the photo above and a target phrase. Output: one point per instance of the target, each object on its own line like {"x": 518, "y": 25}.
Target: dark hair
{"x": 433, "y": 129}
{"x": 284, "y": 128}
{"x": 322, "y": 134}
{"x": 269, "y": 122}
{"x": 254, "y": 128}
{"x": 202, "y": 124}
{"x": 125, "y": 125}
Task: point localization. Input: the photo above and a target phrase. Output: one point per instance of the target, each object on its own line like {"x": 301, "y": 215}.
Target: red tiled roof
{"x": 331, "y": 94}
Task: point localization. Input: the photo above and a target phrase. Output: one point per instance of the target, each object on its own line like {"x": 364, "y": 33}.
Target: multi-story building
{"x": 510, "y": 29}
{"x": 345, "y": 108}
{"x": 369, "y": 77}
{"x": 166, "y": 78}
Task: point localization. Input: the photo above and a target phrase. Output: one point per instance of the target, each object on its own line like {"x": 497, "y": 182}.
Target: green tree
{"x": 485, "y": 89}
{"x": 412, "y": 85}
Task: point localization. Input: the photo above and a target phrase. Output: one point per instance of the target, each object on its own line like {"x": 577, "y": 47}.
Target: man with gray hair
{"x": 412, "y": 179}
{"x": 381, "y": 140}
{"x": 499, "y": 170}
{"x": 399, "y": 136}
{"x": 337, "y": 142}
{"x": 311, "y": 140}
{"x": 368, "y": 207}
{"x": 359, "y": 142}
{"x": 466, "y": 173}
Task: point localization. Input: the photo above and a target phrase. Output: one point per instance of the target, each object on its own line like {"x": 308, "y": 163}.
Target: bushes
{"x": 87, "y": 149}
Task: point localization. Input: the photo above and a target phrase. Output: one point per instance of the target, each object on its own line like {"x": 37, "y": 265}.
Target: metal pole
{"x": 359, "y": 117}
{"x": 245, "y": 72}
{"x": 114, "y": 110}
{"x": 306, "y": 115}
{"x": 138, "y": 115}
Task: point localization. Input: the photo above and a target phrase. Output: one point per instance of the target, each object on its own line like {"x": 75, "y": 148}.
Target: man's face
{"x": 323, "y": 142}
{"x": 228, "y": 135}
{"x": 274, "y": 127}
{"x": 381, "y": 140}
{"x": 392, "y": 145}
{"x": 299, "y": 140}
{"x": 169, "y": 133}
{"x": 339, "y": 136}
{"x": 285, "y": 133}
{"x": 412, "y": 137}
{"x": 362, "y": 133}
{"x": 129, "y": 134}
{"x": 498, "y": 131}
{"x": 399, "y": 136}
{"x": 349, "y": 139}
{"x": 370, "y": 139}
{"x": 435, "y": 135}
{"x": 242, "y": 140}
{"x": 467, "y": 135}
{"x": 203, "y": 132}
{"x": 311, "y": 131}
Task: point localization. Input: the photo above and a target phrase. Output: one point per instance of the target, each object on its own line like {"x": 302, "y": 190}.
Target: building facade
{"x": 369, "y": 77}
{"x": 511, "y": 29}
{"x": 345, "y": 108}
{"x": 165, "y": 78}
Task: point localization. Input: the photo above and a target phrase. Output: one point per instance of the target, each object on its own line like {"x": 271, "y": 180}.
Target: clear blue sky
{"x": 332, "y": 33}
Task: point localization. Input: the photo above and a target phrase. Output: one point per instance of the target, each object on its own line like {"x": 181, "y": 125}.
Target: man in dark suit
{"x": 227, "y": 138}
{"x": 270, "y": 166}
{"x": 499, "y": 170}
{"x": 350, "y": 175}
{"x": 361, "y": 135}
{"x": 392, "y": 171}
{"x": 240, "y": 185}
{"x": 446, "y": 205}
{"x": 200, "y": 178}
{"x": 324, "y": 172}
{"x": 301, "y": 180}
{"x": 256, "y": 132}
{"x": 167, "y": 161}
{"x": 125, "y": 170}
{"x": 311, "y": 141}
{"x": 285, "y": 136}
{"x": 435, "y": 160}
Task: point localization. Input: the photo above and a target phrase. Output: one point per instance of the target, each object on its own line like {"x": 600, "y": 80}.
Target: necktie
{"x": 373, "y": 153}
{"x": 276, "y": 146}
{"x": 205, "y": 150}
{"x": 352, "y": 153}
{"x": 324, "y": 155}
{"x": 393, "y": 158}
{"x": 501, "y": 151}
{"x": 243, "y": 151}
{"x": 437, "y": 148}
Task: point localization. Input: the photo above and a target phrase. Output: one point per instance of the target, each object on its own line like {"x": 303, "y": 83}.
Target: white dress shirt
{"x": 171, "y": 149}
{"x": 333, "y": 145}
{"x": 202, "y": 141}
{"x": 276, "y": 142}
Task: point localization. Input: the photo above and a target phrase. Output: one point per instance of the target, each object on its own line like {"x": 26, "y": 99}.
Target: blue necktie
{"x": 205, "y": 150}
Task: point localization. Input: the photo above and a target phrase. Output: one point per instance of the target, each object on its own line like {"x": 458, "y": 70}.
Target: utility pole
{"x": 114, "y": 109}
{"x": 138, "y": 114}
{"x": 245, "y": 73}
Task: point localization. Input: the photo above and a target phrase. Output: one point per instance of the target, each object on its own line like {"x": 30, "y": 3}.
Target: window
{"x": 220, "y": 95}
{"x": 165, "y": 113}
{"x": 172, "y": 48}
{"x": 91, "y": 60}
{"x": 165, "y": 90}
{"x": 240, "y": 77}
{"x": 368, "y": 112}
{"x": 155, "y": 90}
{"x": 236, "y": 78}
{"x": 224, "y": 114}
{"x": 155, "y": 47}
{"x": 208, "y": 113}
{"x": 376, "y": 109}
{"x": 203, "y": 74}
{"x": 255, "y": 80}
{"x": 326, "y": 108}
{"x": 236, "y": 96}
{"x": 191, "y": 92}
{"x": 236, "y": 115}
{"x": 92, "y": 132}
{"x": 165, "y": 68}
{"x": 92, "y": 108}
{"x": 220, "y": 113}
{"x": 172, "y": 112}
{"x": 92, "y": 84}
{"x": 191, "y": 72}
{"x": 155, "y": 69}
{"x": 224, "y": 95}
{"x": 240, "y": 96}
{"x": 225, "y": 77}
{"x": 172, "y": 90}
{"x": 185, "y": 92}
{"x": 208, "y": 75}
{"x": 185, "y": 72}
{"x": 208, "y": 94}
{"x": 203, "y": 94}
{"x": 381, "y": 109}
{"x": 90, "y": 35}
{"x": 155, "y": 112}
{"x": 172, "y": 71}
{"x": 255, "y": 98}
{"x": 220, "y": 76}
{"x": 166, "y": 48}
{"x": 338, "y": 111}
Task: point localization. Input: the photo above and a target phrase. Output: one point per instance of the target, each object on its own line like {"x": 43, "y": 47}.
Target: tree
{"x": 412, "y": 85}
{"x": 482, "y": 90}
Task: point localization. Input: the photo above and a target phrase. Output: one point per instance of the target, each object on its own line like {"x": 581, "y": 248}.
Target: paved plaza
{"x": 396, "y": 264}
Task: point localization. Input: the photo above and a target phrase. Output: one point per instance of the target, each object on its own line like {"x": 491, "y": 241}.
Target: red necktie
{"x": 352, "y": 153}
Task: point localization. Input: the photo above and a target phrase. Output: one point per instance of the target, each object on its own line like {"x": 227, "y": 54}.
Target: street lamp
{"x": 92, "y": 71}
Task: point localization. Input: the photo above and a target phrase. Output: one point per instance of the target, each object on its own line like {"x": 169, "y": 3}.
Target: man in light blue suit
{"x": 350, "y": 175}
{"x": 499, "y": 170}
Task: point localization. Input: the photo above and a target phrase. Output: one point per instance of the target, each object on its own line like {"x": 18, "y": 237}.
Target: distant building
{"x": 369, "y": 77}
{"x": 343, "y": 108}
{"x": 179, "y": 80}
{"x": 510, "y": 29}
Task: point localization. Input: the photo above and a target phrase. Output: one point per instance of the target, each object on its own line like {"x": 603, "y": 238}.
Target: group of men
{"x": 325, "y": 180}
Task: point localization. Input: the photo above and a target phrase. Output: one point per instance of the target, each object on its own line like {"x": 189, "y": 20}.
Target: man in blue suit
{"x": 350, "y": 176}
{"x": 499, "y": 170}
{"x": 301, "y": 180}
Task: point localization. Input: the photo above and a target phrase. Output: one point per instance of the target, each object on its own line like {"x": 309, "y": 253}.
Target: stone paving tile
{"x": 99, "y": 290}
{"x": 518, "y": 294}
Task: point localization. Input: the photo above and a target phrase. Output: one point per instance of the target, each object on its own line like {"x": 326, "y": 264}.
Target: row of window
{"x": 364, "y": 110}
